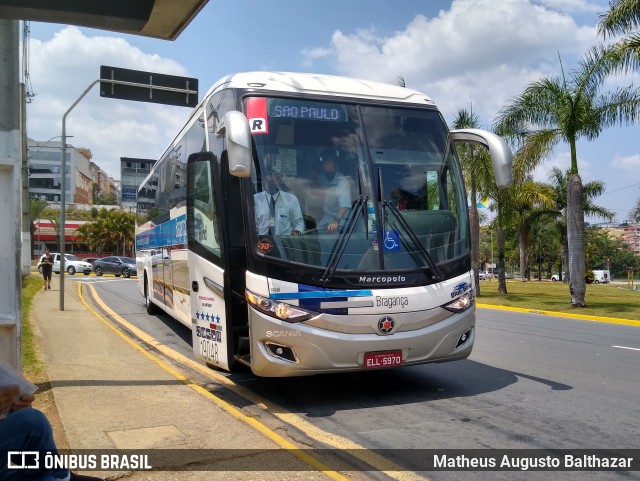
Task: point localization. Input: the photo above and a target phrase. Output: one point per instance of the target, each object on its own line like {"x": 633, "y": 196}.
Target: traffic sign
{"x": 126, "y": 84}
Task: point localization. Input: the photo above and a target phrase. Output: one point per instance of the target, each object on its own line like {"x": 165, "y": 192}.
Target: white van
{"x": 603, "y": 276}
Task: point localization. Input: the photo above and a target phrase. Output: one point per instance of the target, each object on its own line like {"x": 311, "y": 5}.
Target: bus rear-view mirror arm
{"x": 235, "y": 126}
{"x": 501, "y": 156}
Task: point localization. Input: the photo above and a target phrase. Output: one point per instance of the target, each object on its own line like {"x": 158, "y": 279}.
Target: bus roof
{"x": 308, "y": 83}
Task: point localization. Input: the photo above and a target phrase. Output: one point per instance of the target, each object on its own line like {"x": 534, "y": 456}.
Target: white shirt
{"x": 287, "y": 213}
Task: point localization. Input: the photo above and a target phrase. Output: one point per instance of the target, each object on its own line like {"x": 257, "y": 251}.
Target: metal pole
{"x": 63, "y": 201}
{"x": 63, "y": 183}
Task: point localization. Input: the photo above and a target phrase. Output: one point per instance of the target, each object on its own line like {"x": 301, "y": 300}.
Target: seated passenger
{"x": 277, "y": 211}
{"x": 337, "y": 193}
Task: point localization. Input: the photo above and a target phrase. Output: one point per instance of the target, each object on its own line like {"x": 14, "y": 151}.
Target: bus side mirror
{"x": 235, "y": 127}
{"x": 501, "y": 156}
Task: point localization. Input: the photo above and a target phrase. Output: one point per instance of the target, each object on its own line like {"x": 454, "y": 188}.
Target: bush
{"x": 589, "y": 277}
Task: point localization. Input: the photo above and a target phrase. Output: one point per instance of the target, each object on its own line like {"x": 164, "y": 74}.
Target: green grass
{"x": 32, "y": 365}
{"x": 616, "y": 300}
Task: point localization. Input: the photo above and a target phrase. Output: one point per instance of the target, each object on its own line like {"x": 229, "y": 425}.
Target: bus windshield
{"x": 353, "y": 187}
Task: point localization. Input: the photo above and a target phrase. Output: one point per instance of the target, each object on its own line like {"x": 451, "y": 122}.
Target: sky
{"x": 464, "y": 54}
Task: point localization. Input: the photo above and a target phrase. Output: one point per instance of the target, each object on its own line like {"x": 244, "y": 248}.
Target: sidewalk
{"x": 109, "y": 395}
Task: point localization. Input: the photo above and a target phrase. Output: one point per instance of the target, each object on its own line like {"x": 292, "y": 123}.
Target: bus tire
{"x": 150, "y": 306}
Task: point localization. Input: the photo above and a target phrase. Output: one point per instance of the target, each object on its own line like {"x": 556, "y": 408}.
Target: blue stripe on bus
{"x": 314, "y": 306}
{"x": 170, "y": 233}
{"x": 321, "y": 294}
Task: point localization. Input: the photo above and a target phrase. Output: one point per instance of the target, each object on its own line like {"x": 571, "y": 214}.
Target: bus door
{"x": 211, "y": 335}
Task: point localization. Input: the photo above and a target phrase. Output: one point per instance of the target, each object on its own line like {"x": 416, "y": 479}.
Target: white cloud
{"x": 109, "y": 128}
{"x": 480, "y": 51}
{"x": 312, "y": 54}
{"x": 572, "y": 5}
{"x": 629, "y": 163}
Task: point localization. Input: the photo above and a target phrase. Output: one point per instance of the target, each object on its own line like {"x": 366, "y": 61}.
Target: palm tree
{"x": 476, "y": 164}
{"x": 528, "y": 201}
{"x": 110, "y": 231}
{"x": 501, "y": 199}
{"x": 559, "y": 181}
{"x": 561, "y": 109}
{"x": 623, "y": 18}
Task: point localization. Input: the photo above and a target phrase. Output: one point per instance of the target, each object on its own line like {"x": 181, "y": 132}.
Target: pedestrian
{"x": 46, "y": 266}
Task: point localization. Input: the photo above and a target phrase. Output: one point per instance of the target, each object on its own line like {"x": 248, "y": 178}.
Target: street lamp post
{"x": 64, "y": 189}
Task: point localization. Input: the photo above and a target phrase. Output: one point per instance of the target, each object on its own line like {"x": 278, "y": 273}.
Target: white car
{"x": 71, "y": 264}
{"x": 484, "y": 275}
{"x": 556, "y": 277}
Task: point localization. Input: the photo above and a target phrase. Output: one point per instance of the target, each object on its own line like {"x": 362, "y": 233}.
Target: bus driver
{"x": 277, "y": 212}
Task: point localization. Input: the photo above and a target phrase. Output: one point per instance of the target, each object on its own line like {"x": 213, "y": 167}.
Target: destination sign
{"x": 297, "y": 109}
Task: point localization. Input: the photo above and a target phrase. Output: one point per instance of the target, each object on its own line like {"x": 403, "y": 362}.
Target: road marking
{"x": 379, "y": 463}
{"x": 611, "y": 320}
{"x": 625, "y": 347}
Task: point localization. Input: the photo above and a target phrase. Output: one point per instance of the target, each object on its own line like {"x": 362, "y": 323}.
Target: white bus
{"x": 361, "y": 269}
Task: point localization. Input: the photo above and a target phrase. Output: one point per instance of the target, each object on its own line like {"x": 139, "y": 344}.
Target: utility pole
{"x": 10, "y": 197}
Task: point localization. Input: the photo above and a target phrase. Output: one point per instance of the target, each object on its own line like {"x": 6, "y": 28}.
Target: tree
{"x": 110, "y": 231}
{"x": 500, "y": 198}
{"x": 476, "y": 164}
{"x": 560, "y": 109}
{"x": 36, "y": 208}
{"x": 623, "y": 18}
{"x": 106, "y": 199}
{"x": 635, "y": 213}
{"x": 559, "y": 181}
{"x": 546, "y": 248}
{"x": 527, "y": 201}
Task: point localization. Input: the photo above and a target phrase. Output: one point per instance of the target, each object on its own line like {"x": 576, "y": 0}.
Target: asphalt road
{"x": 532, "y": 382}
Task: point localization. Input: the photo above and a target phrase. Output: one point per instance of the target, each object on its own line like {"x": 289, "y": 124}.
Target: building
{"x": 132, "y": 172}
{"x": 46, "y": 237}
{"x": 103, "y": 184}
{"x": 628, "y": 232}
{"x": 45, "y": 163}
{"x": 631, "y": 235}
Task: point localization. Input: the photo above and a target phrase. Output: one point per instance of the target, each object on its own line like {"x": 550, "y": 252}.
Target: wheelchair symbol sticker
{"x": 391, "y": 240}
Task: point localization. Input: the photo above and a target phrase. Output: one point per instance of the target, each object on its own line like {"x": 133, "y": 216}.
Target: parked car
{"x": 556, "y": 277}
{"x": 485, "y": 275}
{"x": 71, "y": 264}
{"x": 119, "y": 266}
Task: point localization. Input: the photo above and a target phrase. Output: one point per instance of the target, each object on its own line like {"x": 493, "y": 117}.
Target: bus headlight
{"x": 279, "y": 310}
{"x": 462, "y": 303}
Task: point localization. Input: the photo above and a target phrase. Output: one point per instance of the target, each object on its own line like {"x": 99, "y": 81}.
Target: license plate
{"x": 382, "y": 359}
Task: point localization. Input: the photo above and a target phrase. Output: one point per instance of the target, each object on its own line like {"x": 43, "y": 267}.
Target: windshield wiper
{"x": 345, "y": 234}
{"x": 437, "y": 273}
